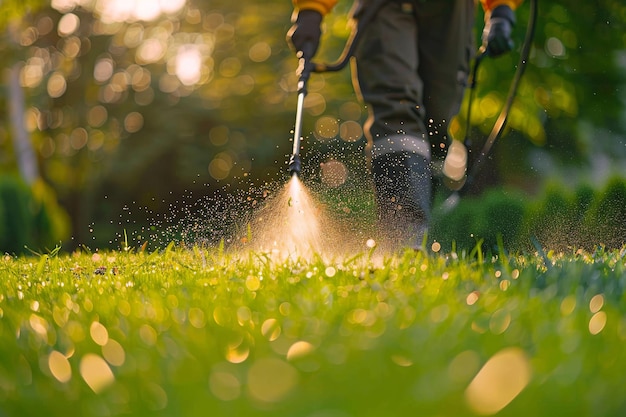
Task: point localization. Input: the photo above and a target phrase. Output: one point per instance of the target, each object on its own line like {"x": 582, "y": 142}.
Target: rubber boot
{"x": 402, "y": 182}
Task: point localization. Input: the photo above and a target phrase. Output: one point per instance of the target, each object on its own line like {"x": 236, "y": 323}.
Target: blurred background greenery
{"x": 118, "y": 115}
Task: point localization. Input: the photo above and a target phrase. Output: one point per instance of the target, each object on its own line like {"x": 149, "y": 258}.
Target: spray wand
{"x": 294, "y": 166}
{"x": 307, "y": 66}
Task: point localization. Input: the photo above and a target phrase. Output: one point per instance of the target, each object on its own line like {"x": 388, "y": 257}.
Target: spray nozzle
{"x": 294, "y": 166}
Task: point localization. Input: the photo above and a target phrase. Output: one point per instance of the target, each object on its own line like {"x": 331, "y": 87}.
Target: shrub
{"x": 496, "y": 214}
{"x": 560, "y": 219}
{"x": 16, "y": 227}
{"x": 30, "y": 217}
{"x": 552, "y": 219}
{"x": 605, "y": 221}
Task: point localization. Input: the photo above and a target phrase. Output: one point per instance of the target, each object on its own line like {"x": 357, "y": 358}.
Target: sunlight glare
{"x": 172, "y": 6}
{"x": 188, "y": 64}
{"x": 111, "y": 11}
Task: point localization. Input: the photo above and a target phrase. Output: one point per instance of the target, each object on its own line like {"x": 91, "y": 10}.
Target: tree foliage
{"x": 140, "y": 106}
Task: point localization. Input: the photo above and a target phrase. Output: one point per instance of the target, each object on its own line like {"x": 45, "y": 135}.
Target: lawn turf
{"x": 202, "y": 332}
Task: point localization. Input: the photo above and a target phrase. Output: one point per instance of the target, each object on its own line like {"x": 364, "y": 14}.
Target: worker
{"x": 412, "y": 66}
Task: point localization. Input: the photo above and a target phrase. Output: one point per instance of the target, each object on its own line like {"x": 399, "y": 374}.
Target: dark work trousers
{"x": 411, "y": 69}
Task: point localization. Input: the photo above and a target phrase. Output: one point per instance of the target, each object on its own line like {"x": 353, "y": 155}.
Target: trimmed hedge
{"x": 559, "y": 219}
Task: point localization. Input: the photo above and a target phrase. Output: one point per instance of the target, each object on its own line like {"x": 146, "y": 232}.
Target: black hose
{"x": 364, "y": 18}
{"x": 504, "y": 113}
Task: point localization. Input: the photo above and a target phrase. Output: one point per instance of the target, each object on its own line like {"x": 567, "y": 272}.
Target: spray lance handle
{"x": 305, "y": 65}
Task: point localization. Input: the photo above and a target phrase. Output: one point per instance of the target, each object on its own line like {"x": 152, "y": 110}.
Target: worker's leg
{"x": 388, "y": 81}
{"x": 446, "y": 46}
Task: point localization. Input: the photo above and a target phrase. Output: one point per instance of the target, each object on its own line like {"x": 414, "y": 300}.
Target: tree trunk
{"x": 24, "y": 153}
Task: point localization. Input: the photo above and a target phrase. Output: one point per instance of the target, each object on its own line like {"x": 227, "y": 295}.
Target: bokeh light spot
{"x": 401, "y": 360}
{"x": 333, "y": 173}
{"x": 31, "y": 74}
{"x": 79, "y": 138}
{"x": 350, "y": 110}
{"x": 99, "y": 333}
{"x": 350, "y": 131}
{"x": 188, "y": 64}
{"x": 148, "y": 335}
{"x": 71, "y": 47}
{"x": 68, "y": 24}
{"x": 220, "y": 166}
{"x": 154, "y": 396}
{"x": 219, "y": 135}
{"x": 326, "y": 128}
{"x": 499, "y": 381}
{"x": 271, "y": 379}
{"x": 463, "y": 366}
{"x": 133, "y": 35}
{"x": 243, "y": 85}
{"x": 56, "y": 85}
{"x": 150, "y": 51}
{"x": 555, "y": 47}
{"x": 168, "y": 83}
{"x": 45, "y": 25}
{"x": 315, "y": 104}
{"x": 455, "y": 164}
{"x": 140, "y": 78}
{"x": 39, "y": 325}
{"x": 253, "y": 283}
{"x": 230, "y": 67}
{"x": 97, "y": 116}
{"x": 237, "y": 354}
{"x": 59, "y": 366}
{"x": 197, "y": 317}
{"x": 489, "y": 105}
{"x": 299, "y": 349}
{"x": 114, "y": 353}
{"x": 260, "y": 52}
{"x": 499, "y": 321}
{"x": 568, "y": 305}
{"x": 103, "y": 70}
{"x": 96, "y": 372}
{"x": 224, "y": 385}
{"x": 597, "y": 322}
{"x": 133, "y": 122}
{"x": 244, "y": 315}
{"x": 472, "y": 298}
{"x": 596, "y": 303}
{"x": 270, "y": 329}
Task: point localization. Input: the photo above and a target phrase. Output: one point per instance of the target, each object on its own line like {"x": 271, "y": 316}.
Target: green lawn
{"x": 202, "y": 332}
